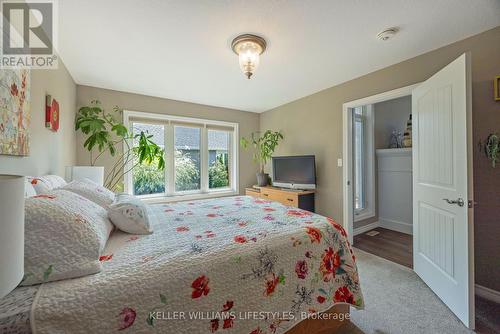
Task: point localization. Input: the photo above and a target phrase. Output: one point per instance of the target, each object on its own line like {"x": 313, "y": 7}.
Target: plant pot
{"x": 262, "y": 179}
{"x": 93, "y": 173}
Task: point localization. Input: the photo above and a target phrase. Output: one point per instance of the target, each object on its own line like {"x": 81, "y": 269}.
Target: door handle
{"x": 459, "y": 201}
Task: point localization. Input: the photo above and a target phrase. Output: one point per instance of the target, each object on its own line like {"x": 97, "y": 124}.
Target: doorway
{"x": 350, "y": 206}
{"x": 441, "y": 161}
{"x": 382, "y": 179}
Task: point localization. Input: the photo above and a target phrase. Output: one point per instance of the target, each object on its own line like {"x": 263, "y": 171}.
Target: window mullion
{"x": 204, "y": 159}
{"x": 170, "y": 160}
{"x": 128, "y": 177}
{"x": 230, "y": 155}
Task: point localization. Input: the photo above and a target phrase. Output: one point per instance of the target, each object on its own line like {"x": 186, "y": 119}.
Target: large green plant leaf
{"x": 120, "y": 130}
{"x": 102, "y": 130}
{"x": 148, "y": 151}
{"x": 264, "y": 145}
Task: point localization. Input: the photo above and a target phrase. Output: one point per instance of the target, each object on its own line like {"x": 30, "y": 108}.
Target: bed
{"x": 236, "y": 264}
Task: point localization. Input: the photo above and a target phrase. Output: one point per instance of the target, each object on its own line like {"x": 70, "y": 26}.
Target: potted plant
{"x": 264, "y": 146}
{"x": 105, "y": 133}
{"x": 492, "y": 149}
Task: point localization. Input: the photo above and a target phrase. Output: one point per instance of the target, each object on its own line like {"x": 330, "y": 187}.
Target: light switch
{"x": 339, "y": 162}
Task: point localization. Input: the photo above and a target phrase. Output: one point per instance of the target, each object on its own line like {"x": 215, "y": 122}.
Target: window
{"x": 201, "y": 157}
{"x": 363, "y": 152}
{"x": 147, "y": 179}
{"x": 218, "y": 159}
{"x": 187, "y": 158}
{"x": 359, "y": 160}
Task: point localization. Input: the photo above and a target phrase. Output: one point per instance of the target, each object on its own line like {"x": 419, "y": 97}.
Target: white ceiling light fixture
{"x": 248, "y": 47}
{"x": 388, "y": 33}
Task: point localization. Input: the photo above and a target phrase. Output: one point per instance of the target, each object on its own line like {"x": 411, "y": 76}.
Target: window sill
{"x": 187, "y": 197}
{"x": 362, "y": 215}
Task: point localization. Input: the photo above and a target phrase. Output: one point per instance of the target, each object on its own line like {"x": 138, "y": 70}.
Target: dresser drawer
{"x": 299, "y": 199}
{"x": 283, "y": 197}
{"x": 253, "y": 193}
{"x": 288, "y": 199}
{"x": 265, "y": 193}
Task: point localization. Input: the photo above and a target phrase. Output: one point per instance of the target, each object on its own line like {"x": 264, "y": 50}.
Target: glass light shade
{"x": 249, "y": 56}
{"x": 248, "y": 47}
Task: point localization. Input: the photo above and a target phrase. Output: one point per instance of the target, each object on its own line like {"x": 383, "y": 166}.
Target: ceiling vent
{"x": 388, "y": 33}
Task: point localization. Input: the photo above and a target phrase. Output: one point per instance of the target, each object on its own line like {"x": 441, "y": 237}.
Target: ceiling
{"x": 181, "y": 49}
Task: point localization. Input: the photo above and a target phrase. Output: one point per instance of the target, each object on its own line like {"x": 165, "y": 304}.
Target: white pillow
{"x": 130, "y": 214}
{"x": 44, "y": 184}
{"x": 29, "y": 190}
{"x": 91, "y": 191}
{"x": 64, "y": 237}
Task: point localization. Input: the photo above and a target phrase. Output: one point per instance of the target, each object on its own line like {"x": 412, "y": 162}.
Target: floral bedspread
{"x": 227, "y": 265}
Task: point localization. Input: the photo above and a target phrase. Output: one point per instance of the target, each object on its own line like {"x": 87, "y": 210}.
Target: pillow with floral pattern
{"x": 130, "y": 214}
{"x": 29, "y": 190}
{"x": 46, "y": 183}
{"x": 91, "y": 191}
{"x": 65, "y": 234}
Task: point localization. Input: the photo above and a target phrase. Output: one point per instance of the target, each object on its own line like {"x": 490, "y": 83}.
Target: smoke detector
{"x": 388, "y": 33}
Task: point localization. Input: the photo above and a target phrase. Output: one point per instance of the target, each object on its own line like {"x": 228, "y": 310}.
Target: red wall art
{"x": 51, "y": 113}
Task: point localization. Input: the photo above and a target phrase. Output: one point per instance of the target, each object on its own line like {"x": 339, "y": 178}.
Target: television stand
{"x": 302, "y": 199}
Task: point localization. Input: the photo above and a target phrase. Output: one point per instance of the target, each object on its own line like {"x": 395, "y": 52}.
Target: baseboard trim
{"x": 366, "y": 228}
{"x": 396, "y": 225}
{"x": 488, "y": 293}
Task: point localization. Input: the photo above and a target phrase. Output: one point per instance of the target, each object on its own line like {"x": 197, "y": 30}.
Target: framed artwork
{"x": 496, "y": 86}
{"x": 51, "y": 113}
{"x": 15, "y": 109}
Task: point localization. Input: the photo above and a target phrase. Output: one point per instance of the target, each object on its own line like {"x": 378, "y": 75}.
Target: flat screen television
{"x": 294, "y": 172}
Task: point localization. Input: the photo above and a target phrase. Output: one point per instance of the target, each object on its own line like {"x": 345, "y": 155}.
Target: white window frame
{"x": 369, "y": 166}
{"x": 168, "y": 121}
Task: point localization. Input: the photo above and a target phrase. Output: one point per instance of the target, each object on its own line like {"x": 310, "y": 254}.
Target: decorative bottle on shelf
{"x": 394, "y": 142}
{"x": 407, "y": 135}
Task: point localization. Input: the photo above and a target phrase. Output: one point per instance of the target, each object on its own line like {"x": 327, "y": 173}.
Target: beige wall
{"x": 313, "y": 125}
{"x": 50, "y": 151}
{"x": 248, "y": 122}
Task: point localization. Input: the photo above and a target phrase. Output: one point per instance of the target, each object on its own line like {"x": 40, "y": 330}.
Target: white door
{"x": 442, "y": 222}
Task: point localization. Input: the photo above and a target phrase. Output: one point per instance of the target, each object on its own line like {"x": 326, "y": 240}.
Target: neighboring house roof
{"x": 185, "y": 138}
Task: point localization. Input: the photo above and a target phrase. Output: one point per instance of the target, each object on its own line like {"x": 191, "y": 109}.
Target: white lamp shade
{"x": 11, "y": 232}
{"x": 93, "y": 173}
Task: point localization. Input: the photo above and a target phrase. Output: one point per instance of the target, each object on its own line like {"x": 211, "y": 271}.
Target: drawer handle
{"x": 265, "y": 194}
{"x": 290, "y": 199}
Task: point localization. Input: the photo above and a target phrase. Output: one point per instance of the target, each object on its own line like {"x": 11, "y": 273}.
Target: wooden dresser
{"x": 303, "y": 199}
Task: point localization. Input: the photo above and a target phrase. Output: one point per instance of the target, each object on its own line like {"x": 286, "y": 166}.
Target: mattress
{"x": 238, "y": 263}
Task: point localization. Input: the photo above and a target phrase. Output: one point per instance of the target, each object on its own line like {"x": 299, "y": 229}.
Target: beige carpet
{"x": 398, "y": 301}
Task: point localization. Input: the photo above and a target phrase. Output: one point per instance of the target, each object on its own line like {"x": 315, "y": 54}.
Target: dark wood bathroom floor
{"x": 391, "y": 245}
